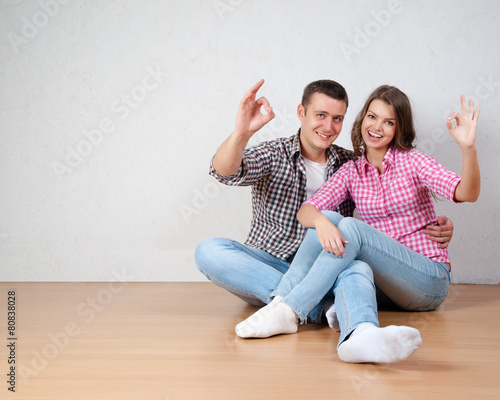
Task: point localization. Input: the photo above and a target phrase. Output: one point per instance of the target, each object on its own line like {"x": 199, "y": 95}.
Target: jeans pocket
{"x": 427, "y": 302}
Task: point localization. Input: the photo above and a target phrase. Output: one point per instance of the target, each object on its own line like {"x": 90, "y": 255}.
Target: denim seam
{"x": 266, "y": 258}
{"x": 347, "y": 315}
{"x": 434, "y": 296}
{"x": 223, "y": 285}
{"x": 400, "y": 262}
{"x": 350, "y": 329}
{"x": 383, "y": 252}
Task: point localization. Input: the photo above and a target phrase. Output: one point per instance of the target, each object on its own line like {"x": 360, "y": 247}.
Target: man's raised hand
{"x": 250, "y": 118}
{"x": 440, "y": 233}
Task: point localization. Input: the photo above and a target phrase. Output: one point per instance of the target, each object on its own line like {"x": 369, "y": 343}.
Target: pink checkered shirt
{"x": 399, "y": 201}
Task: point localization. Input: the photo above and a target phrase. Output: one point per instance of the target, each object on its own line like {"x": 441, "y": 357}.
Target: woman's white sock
{"x": 369, "y": 343}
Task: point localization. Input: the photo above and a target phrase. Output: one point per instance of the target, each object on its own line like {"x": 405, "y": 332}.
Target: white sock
{"x": 256, "y": 318}
{"x": 369, "y": 343}
{"x": 331, "y": 316}
{"x": 265, "y": 309}
{"x": 274, "y": 319}
{"x": 275, "y": 301}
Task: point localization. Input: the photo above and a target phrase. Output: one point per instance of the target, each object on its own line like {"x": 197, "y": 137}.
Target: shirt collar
{"x": 331, "y": 153}
{"x": 390, "y": 156}
{"x": 388, "y": 160}
{"x": 295, "y": 150}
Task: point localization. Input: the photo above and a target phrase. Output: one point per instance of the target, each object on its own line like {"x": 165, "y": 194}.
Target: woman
{"x": 392, "y": 185}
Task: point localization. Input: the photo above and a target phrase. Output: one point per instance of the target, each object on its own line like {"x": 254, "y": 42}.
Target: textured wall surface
{"x": 110, "y": 112}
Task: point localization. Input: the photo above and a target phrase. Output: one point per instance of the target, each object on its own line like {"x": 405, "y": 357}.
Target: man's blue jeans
{"x": 412, "y": 281}
{"x": 249, "y": 273}
{"x": 253, "y": 274}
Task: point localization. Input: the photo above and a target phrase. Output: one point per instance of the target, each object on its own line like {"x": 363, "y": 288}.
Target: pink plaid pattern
{"x": 399, "y": 201}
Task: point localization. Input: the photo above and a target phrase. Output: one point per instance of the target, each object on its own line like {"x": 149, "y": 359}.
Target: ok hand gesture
{"x": 249, "y": 118}
{"x": 464, "y": 133}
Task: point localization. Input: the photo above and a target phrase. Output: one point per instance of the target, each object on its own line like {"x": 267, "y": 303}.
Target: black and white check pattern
{"x": 276, "y": 171}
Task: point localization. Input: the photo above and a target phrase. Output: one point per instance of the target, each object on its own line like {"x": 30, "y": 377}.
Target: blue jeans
{"x": 412, "y": 281}
{"x": 253, "y": 274}
{"x": 249, "y": 273}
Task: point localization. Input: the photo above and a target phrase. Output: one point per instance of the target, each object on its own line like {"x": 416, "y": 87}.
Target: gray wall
{"x": 110, "y": 112}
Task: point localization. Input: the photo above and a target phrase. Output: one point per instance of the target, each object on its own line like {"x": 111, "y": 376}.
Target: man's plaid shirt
{"x": 277, "y": 174}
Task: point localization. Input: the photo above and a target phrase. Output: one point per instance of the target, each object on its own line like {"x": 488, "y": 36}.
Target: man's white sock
{"x": 274, "y": 319}
{"x": 331, "y": 316}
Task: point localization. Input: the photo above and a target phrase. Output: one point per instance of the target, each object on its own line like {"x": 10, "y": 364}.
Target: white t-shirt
{"x": 315, "y": 175}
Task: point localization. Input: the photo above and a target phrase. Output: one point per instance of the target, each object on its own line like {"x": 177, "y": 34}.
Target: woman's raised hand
{"x": 464, "y": 132}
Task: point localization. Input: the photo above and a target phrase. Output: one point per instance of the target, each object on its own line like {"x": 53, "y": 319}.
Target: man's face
{"x": 321, "y": 123}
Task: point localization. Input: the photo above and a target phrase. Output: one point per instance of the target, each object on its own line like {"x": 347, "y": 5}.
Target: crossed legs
{"x": 411, "y": 280}
{"x": 249, "y": 273}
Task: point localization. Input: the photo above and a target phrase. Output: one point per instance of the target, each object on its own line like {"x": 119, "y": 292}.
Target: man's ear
{"x": 301, "y": 111}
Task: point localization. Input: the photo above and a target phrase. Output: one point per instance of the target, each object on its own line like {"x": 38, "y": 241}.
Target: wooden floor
{"x": 170, "y": 341}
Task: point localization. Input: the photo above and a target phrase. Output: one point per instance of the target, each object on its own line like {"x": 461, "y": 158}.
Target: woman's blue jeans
{"x": 412, "y": 281}
{"x": 249, "y": 273}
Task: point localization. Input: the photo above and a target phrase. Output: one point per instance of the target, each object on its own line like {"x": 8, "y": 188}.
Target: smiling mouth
{"x": 323, "y": 136}
{"x": 374, "y": 135}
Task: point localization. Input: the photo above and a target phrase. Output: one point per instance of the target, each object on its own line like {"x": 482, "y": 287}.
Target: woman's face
{"x": 379, "y": 126}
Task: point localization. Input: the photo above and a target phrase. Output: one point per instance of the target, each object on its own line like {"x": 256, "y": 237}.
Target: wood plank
{"x": 175, "y": 340}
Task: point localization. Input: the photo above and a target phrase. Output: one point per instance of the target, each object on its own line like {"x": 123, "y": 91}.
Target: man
{"x": 283, "y": 173}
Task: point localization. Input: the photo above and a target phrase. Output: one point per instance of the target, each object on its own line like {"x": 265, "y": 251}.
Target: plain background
{"x": 110, "y": 112}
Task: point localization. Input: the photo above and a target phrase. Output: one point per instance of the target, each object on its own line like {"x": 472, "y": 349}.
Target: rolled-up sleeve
{"x": 231, "y": 180}
{"x": 257, "y": 163}
{"x": 436, "y": 177}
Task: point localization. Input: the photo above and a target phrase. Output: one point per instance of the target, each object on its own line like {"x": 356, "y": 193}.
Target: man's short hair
{"x": 328, "y": 87}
